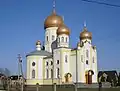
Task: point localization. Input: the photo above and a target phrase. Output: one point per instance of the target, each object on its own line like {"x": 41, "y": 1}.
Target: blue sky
{"x": 22, "y": 24}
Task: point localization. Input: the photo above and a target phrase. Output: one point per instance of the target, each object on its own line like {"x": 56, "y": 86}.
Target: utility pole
{"x": 19, "y": 59}
{"x": 8, "y": 84}
{"x": 20, "y": 72}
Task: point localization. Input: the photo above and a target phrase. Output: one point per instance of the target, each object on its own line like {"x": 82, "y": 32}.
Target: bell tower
{"x": 51, "y": 24}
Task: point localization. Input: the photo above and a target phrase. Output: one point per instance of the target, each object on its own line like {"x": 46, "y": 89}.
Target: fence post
{"x": 54, "y": 86}
{"x": 8, "y": 85}
{"x": 75, "y": 86}
{"x": 22, "y": 86}
{"x": 37, "y": 86}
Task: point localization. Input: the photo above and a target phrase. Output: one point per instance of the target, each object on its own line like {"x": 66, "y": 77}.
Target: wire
{"x": 102, "y": 3}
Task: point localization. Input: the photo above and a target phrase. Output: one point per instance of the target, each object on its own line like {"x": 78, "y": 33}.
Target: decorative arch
{"x": 68, "y": 77}
{"x": 88, "y": 76}
{"x": 33, "y": 73}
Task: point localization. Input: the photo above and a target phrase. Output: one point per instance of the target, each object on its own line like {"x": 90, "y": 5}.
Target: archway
{"x": 88, "y": 76}
{"x": 68, "y": 77}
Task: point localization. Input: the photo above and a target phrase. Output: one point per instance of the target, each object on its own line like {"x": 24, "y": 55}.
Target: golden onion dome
{"x": 38, "y": 42}
{"x": 63, "y": 30}
{"x": 53, "y": 20}
{"x": 85, "y": 34}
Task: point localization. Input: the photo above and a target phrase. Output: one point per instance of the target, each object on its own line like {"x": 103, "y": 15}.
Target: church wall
{"x": 65, "y": 63}
{"x": 80, "y": 58}
{"x": 49, "y": 67}
{"x": 38, "y": 68}
{"x": 73, "y": 65}
{"x": 56, "y": 56}
{"x": 94, "y": 66}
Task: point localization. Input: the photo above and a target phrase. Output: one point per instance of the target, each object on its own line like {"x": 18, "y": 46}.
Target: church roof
{"x": 51, "y": 56}
{"x": 39, "y": 53}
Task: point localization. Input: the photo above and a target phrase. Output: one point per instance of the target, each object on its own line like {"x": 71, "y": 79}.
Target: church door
{"x": 86, "y": 77}
{"x": 89, "y": 79}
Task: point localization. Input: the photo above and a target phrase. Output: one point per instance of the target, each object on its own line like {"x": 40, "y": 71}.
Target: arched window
{"x": 66, "y": 58}
{"x": 87, "y": 53}
{"x": 58, "y": 72}
{"x": 58, "y": 39}
{"x": 51, "y": 73}
{"x": 86, "y": 61}
{"x": 66, "y": 40}
{"x": 33, "y": 73}
{"x": 33, "y": 63}
{"x": 46, "y": 63}
{"x": 47, "y": 38}
{"x": 53, "y": 37}
{"x": 47, "y": 73}
{"x": 51, "y": 62}
{"x": 62, "y": 39}
{"x": 57, "y": 61}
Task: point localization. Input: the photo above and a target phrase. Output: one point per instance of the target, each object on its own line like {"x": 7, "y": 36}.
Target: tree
{"x": 7, "y": 72}
{"x": 119, "y": 79}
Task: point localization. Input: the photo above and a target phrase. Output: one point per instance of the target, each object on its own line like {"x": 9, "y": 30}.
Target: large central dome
{"x": 53, "y": 20}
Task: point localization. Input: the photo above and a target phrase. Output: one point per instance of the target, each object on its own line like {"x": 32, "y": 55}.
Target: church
{"x": 56, "y": 62}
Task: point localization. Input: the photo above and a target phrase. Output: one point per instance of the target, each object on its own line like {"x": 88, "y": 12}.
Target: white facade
{"x": 59, "y": 63}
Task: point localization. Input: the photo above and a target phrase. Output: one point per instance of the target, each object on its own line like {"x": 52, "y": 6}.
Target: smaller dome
{"x": 53, "y": 20}
{"x": 78, "y": 44}
{"x": 85, "y": 34}
{"x": 63, "y": 30}
{"x": 38, "y": 42}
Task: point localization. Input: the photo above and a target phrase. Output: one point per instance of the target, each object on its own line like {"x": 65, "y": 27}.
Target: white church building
{"x": 57, "y": 62}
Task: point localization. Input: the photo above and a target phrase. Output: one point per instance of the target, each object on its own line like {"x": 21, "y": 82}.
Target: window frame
{"x": 66, "y": 58}
{"x": 53, "y": 37}
{"x": 47, "y": 73}
{"x": 87, "y": 62}
{"x": 62, "y": 39}
{"x": 58, "y": 62}
{"x": 33, "y": 73}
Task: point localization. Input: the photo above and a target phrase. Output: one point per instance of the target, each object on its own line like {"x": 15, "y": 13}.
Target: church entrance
{"x": 88, "y": 76}
{"x": 68, "y": 77}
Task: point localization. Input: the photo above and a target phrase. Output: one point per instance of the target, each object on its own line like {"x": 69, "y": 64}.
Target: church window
{"x": 47, "y": 38}
{"x": 51, "y": 73}
{"x": 86, "y": 61}
{"x": 66, "y": 39}
{"x": 87, "y": 53}
{"x": 58, "y": 39}
{"x": 51, "y": 62}
{"x": 33, "y": 73}
{"x": 53, "y": 37}
{"x": 62, "y": 39}
{"x": 57, "y": 61}
{"x": 47, "y": 73}
{"x": 47, "y": 63}
{"x": 33, "y": 63}
{"x": 58, "y": 72}
{"x": 66, "y": 58}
